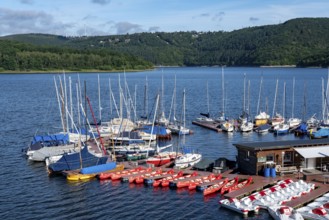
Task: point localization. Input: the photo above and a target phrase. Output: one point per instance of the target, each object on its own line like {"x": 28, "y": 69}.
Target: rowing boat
{"x": 211, "y": 177}
{"x": 108, "y": 175}
{"x": 215, "y": 188}
{"x": 158, "y": 182}
{"x": 240, "y": 185}
{"x": 229, "y": 184}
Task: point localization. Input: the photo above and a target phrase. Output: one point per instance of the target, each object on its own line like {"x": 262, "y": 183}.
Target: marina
{"x": 171, "y": 202}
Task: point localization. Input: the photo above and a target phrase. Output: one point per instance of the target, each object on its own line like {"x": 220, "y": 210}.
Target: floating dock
{"x": 215, "y": 126}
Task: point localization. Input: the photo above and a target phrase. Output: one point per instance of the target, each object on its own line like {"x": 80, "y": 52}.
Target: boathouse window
{"x": 247, "y": 155}
{"x": 270, "y": 157}
{"x": 287, "y": 157}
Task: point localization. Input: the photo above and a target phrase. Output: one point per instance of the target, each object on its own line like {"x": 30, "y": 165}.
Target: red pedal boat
{"x": 169, "y": 178}
{"x": 215, "y": 188}
{"x": 140, "y": 179}
{"x": 108, "y": 175}
{"x": 118, "y": 176}
{"x": 229, "y": 184}
{"x": 211, "y": 177}
{"x": 182, "y": 178}
{"x": 240, "y": 185}
{"x": 132, "y": 178}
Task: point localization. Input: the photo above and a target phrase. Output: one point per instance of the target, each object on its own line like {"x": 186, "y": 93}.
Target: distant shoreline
{"x": 70, "y": 71}
{"x": 131, "y": 71}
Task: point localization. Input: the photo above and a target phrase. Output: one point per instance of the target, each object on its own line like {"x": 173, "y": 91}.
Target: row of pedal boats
{"x": 208, "y": 184}
{"x": 274, "y": 199}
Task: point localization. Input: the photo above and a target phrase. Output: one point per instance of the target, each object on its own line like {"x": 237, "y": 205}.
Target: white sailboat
{"x": 262, "y": 117}
{"x": 283, "y": 127}
{"x": 245, "y": 124}
{"x": 188, "y": 159}
{"x": 276, "y": 117}
{"x": 206, "y": 116}
{"x": 293, "y": 122}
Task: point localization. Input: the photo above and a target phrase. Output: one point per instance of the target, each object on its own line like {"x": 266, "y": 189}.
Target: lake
{"x": 29, "y": 106}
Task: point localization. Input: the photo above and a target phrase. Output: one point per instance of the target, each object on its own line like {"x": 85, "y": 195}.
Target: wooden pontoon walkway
{"x": 215, "y": 126}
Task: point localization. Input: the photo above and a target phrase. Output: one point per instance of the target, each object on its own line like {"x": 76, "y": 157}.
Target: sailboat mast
{"x": 260, "y": 91}
{"x": 293, "y": 98}
{"x": 284, "y": 99}
{"x": 78, "y": 102}
{"x": 59, "y": 105}
{"x": 208, "y": 98}
{"x": 249, "y": 98}
{"x": 244, "y": 91}
{"x": 110, "y": 88}
{"x": 223, "y": 95}
{"x": 275, "y": 94}
{"x": 121, "y": 104}
{"x": 65, "y": 100}
{"x": 71, "y": 101}
{"x": 99, "y": 99}
{"x": 184, "y": 108}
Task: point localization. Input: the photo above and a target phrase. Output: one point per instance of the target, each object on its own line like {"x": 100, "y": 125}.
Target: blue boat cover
{"x": 98, "y": 168}
{"x": 158, "y": 130}
{"x": 323, "y": 132}
{"x": 51, "y": 140}
{"x": 72, "y": 161}
{"x": 302, "y": 127}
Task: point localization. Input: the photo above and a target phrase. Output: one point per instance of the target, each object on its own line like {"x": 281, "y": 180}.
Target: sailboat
{"x": 245, "y": 124}
{"x": 282, "y": 128}
{"x": 221, "y": 118}
{"x": 188, "y": 159}
{"x": 43, "y": 146}
{"x": 277, "y": 117}
{"x": 293, "y": 122}
{"x": 206, "y": 116}
{"x": 262, "y": 117}
{"x": 181, "y": 128}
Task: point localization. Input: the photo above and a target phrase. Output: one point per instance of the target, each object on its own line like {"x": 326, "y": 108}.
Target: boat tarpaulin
{"x": 98, "y": 168}
{"x": 54, "y": 139}
{"x": 72, "y": 161}
{"x": 158, "y": 130}
{"x": 313, "y": 152}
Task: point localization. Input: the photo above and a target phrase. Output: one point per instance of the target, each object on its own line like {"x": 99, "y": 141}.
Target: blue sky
{"x": 108, "y": 17}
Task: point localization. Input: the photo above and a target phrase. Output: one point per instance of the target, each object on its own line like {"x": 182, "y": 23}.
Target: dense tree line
{"x": 301, "y": 42}
{"x": 16, "y": 56}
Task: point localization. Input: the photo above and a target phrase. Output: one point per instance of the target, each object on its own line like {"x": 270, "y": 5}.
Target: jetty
{"x": 215, "y": 126}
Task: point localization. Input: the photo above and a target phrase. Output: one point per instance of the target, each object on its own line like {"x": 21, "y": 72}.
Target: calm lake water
{"x": 28, "y": 106}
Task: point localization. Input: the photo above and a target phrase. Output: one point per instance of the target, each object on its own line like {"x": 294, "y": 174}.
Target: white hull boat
{"x": 187, "y": 160}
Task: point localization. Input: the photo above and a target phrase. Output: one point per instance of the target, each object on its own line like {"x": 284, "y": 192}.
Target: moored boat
{"x": 184, "y": 178}
{"x": 240, "y": 185}
{"x": 125, "y": 177}
{"x": 214, "y": 188}
{"x": 141, "y": 178}
{"x": 244, "y": 207}
{"x": 162, "y": 158}
{"x": 209, "y": 178}
{"x": 284, "y": 212}
{"x": 188, "y": 159}
{"x": 159, "y": 182}
{"x": 133, "y": 178}
{"x": 263, "y": 128}
{"x": 229, "y": 184}
{"x": 76, "y": 176}
{"x": 108, "y": 175}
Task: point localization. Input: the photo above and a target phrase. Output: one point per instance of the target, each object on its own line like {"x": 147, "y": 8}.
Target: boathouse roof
{"x": 271, "y": 145}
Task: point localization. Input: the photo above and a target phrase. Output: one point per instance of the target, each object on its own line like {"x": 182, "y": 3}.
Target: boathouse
{"x": 254, "y": 157}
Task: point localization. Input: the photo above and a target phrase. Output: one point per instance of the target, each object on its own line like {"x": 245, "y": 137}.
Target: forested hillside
{"x": 24, "y": 57}
{"x": 301, "y": 42}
